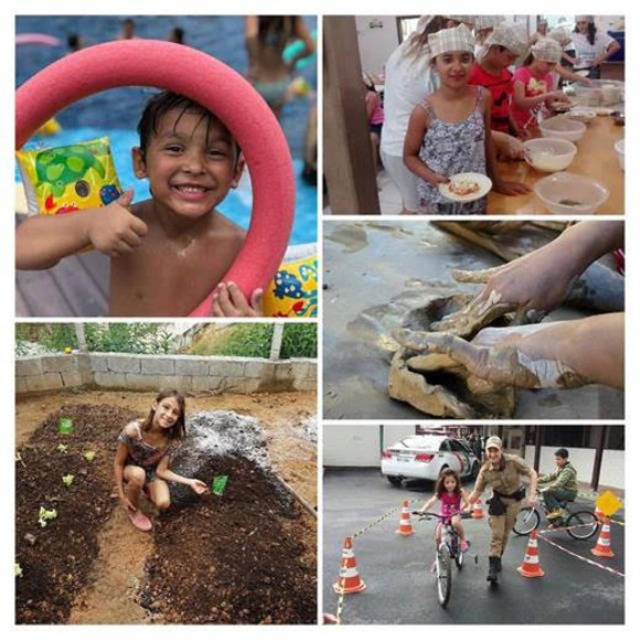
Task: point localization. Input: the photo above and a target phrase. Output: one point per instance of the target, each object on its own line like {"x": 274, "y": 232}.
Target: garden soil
{"x": 248, "y": 556}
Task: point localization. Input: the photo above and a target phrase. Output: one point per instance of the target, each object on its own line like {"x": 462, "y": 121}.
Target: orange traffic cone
{"x": 599, "y": 514}
{"x": 477, "y": 511}
{"x": 405, "y": 528}
{"x": 603, "y": 546}
{"x": 349, "y": 580}
{"x": 530, "y": 568}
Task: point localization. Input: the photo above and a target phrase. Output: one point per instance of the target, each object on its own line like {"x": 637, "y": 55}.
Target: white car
{"x": 425, "y": 457}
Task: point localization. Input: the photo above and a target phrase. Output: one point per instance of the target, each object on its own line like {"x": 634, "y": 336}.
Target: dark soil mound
{"x": 235, "y": 558}
{"x": 56, "y": 560}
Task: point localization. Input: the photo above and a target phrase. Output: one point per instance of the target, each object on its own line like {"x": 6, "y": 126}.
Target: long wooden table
{"x": 596, "y": 158}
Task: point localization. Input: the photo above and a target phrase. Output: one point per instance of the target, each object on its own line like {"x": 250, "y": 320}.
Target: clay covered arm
{"x": 555, "y": 355}
{"x": 541, "y": 279}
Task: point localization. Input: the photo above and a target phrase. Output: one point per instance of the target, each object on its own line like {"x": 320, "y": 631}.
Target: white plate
{"x": 582, "y": 72}
{"x": 483, "y": 181}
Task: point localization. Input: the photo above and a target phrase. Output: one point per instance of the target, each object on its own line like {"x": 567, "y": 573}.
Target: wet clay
{"x": 434, "y": 383}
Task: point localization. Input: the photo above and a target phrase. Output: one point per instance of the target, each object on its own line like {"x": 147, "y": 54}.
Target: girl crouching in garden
{"x": 145, "y": 450}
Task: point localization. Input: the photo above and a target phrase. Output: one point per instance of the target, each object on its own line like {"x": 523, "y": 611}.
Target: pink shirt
{"x": 449, "y": 503}
{"x": 533, "y": 86}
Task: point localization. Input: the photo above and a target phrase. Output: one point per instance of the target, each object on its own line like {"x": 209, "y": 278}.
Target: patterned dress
{"x": 142, "y": 453}
{"x": 449, "y": 148}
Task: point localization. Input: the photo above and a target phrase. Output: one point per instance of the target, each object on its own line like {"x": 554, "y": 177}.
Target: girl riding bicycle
{"x": 451, "y": 495}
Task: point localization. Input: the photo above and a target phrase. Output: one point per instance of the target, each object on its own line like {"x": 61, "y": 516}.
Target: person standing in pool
{"x": 265, "y": 39}
{"x": 449, "y": 131}
{"x": 169, "y": 252}
{"x": 145, "y": 449}
{"x": 128, "y": 30}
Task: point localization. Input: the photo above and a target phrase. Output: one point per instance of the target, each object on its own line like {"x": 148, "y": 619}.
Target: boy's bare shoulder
{"x": 227, "y": 229}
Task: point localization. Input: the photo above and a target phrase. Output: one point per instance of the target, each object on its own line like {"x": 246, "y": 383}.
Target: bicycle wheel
{"x": 582, "y": 525}
{"x": 458, "y": 555}
{"x": 443, "y": 575}
{"x": 526, "y": 521}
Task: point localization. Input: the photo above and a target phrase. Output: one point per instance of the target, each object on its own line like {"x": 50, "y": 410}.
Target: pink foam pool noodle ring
{"x": 216, "y": 87}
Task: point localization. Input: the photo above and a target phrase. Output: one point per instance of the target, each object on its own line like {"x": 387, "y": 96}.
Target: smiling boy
{"x": 169, "y": 252}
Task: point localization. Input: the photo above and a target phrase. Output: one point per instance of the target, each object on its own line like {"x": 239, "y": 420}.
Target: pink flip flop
{"x": 139, "y": 520}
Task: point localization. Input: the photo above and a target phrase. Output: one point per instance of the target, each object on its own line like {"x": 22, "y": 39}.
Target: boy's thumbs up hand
{"x": 126, "y": 198}
{"x": 114, "y": 230}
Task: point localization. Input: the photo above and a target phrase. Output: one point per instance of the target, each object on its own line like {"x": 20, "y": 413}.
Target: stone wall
{"x": 36, "y": 374}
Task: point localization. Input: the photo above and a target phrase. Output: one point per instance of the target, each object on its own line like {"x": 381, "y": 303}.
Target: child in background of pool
{"x": 500, "y": 50}
{"x": 265, "y": 39}
{"x": 452, "y": 497}
{"x": 145, "y": 449}
{"x": 448, "y": 132}
{"x": 533, "y": 85}
{"x": 167, "y": 253}
{"x": 176, "y": 35}
{"x": 128, "y": 30}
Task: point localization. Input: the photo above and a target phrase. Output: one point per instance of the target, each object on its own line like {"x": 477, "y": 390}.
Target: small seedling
{"x": 18, "y": 570}
{"x": 65, "y": 426}
{"x": 45, "y": 516}
{"x": 19, "y": 459}
{"x": 67, "y": 480}
{"x": 89, "y": 455}
{"x": 62, "y": 448}
{"x": 219, "y": 485}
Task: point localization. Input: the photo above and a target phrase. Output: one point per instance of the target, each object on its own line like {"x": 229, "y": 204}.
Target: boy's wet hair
{"x": 160, "y": 104}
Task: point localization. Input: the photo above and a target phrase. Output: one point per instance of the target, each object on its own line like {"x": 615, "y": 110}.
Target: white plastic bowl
{"x": 582, "y": 114}
{"x": 619, "y": 147}
{"x": 563, "y": 127}
{"x": 569, "y": 193}
{"x": 549, "y": 154}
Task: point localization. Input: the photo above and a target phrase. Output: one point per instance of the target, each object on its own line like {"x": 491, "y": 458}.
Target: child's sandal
{"x": 139, "y": 520}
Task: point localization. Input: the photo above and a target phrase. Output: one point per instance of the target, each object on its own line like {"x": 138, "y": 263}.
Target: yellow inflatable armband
{"x": 49, "y": 128}
{"x": 71, "y": 178}
{"x": 293, "y": 293}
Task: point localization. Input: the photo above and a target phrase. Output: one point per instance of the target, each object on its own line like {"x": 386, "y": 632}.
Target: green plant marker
{"x": 65, "y": 426}
{"x": 219, "y": 485}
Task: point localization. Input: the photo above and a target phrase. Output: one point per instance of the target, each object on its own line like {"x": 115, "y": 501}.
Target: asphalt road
{"x": 401, "y": 589}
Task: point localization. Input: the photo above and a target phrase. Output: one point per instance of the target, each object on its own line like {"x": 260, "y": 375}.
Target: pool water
{"x": 115, "y": 113}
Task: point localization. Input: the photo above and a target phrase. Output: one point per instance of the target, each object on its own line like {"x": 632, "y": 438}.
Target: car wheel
{"x": 475, "y": 470}
{"x": 394, "y": 480}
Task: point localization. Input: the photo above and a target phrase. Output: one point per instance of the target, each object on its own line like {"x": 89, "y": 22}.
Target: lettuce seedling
{"x": 89, "y": 455}
{"x": 45, "y": 516}
{"x": 67, "y": 480}
{"x": 18, "y": 570}
{"x": 62, "y": 448}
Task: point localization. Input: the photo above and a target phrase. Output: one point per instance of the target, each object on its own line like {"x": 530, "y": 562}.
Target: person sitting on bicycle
{"x": 562, "y": 485}
{"x": 451, "y": 495}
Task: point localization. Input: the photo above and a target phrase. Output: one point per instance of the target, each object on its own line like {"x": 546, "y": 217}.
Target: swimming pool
{"x": 115, "y": 113}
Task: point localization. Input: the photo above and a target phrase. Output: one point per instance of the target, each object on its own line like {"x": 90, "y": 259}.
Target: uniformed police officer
{"x": 503, "y": 473}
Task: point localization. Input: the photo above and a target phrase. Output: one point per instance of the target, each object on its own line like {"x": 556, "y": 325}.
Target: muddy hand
{"x": 501, "y": 361}
{"x": 481, "y": 311}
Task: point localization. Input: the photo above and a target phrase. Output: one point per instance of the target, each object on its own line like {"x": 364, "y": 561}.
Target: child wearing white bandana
{"x": 449, "y": 131}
